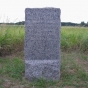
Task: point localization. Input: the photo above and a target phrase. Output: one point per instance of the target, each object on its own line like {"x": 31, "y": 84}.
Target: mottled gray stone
{"x": 42, "y": 43}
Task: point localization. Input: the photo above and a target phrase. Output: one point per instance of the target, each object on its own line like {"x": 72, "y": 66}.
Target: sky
{"x": 74, "y": 11}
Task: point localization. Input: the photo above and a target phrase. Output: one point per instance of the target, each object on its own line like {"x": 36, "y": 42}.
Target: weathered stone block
{"x": 42, "y": 43}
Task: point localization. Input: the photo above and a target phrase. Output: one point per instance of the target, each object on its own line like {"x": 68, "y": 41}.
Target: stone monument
{"x": 42, "y": 43}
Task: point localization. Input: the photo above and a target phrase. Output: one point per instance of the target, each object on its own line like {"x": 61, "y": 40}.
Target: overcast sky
{"x": 71, "y": 10}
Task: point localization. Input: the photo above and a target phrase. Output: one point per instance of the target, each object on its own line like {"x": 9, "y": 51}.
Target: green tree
{"x": 82, "y": 23}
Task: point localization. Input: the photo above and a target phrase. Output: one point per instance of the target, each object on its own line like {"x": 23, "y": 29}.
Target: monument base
{"x": 46, "y": 69}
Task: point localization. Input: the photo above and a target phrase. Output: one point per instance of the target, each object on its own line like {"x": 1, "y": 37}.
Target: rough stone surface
{"x": 42, "y": 43}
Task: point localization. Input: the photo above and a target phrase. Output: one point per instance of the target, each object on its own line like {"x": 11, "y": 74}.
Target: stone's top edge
{"x": 44, "y": 8}
{"x": 48, "y": 8}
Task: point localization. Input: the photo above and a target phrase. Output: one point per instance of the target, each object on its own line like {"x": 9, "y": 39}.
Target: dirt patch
{"x": 84, "y": 64}
{"x": 9, "y": 50}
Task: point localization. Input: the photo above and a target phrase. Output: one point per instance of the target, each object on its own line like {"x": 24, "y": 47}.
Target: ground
{"x": 74, "y": 72}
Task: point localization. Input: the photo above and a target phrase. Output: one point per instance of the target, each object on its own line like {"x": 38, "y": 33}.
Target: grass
{"x": 12, "y": 68}
{"x": 11, "y": 37}
{"x": 74, "y": 64}
{"x": 74, "y": 38}
{"x": 74, "y": 72}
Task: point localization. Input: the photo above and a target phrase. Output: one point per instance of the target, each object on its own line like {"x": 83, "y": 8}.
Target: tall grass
{"x": 74, "y": 67}
{"x": 74, "y": 38}
{"x": 10, "y": 37}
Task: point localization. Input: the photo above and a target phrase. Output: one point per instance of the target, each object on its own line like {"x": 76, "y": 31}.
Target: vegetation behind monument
{"x": 74, "y": 68}
{"x": 72, "y": 38}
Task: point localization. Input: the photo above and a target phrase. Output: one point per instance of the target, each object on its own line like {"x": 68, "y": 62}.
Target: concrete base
{"x": 46, "y": 69}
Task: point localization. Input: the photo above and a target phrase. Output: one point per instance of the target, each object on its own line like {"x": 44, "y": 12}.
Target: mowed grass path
{"x": 74, "y": 64}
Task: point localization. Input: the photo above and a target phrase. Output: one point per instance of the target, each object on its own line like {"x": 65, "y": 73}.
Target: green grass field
{"x": 74, "y": 59}
{"x": 11, "y": 38}
{"x": 74, "y": 38}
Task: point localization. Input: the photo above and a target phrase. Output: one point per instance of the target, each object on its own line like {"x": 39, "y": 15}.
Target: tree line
{"x": 74, "y": 24}
{"x": 62, "y": 23}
